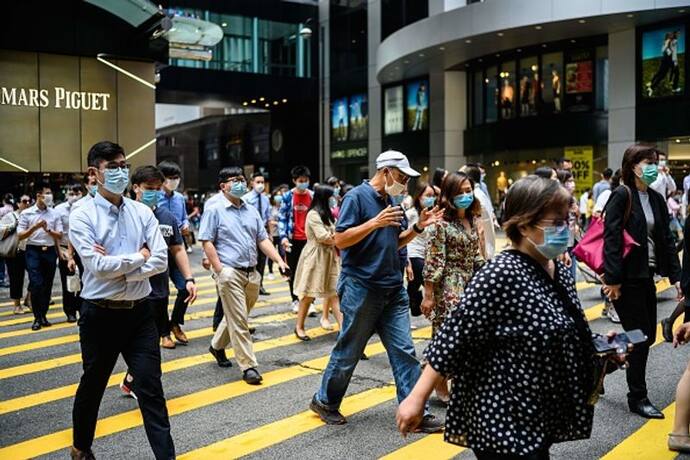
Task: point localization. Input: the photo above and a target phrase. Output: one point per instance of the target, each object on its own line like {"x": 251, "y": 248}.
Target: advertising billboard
{"x": 339, "y": 120}
{"x": 663, "y": 62}
{"x": 393, "y": 110}
{"x": 417, "y": 105}
{"x": 359, "y": 117}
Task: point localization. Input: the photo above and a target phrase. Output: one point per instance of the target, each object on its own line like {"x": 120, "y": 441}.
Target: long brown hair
{"x": 452, "y": 187}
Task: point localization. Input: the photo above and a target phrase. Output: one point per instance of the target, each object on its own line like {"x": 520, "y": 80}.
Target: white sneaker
{"x": 312, "y": 311}
{"x": 613, "y": 315}
{"x": 295, "y": 306}
{"x": 270, "y": 277}
{"x": 189, "y": 250}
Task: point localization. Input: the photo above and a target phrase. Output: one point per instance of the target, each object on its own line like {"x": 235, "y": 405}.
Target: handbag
{"x": 590, "y": 249}
{"x": 8, "y": 244}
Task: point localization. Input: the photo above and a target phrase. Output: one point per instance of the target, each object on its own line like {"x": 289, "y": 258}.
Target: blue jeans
{"x": 365, "y": 311}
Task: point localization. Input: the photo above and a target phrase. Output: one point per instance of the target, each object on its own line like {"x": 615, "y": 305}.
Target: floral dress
{"x": 452, "y": 257}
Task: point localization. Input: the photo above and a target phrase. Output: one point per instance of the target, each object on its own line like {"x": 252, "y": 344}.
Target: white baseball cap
{"x": 395, "y": 159}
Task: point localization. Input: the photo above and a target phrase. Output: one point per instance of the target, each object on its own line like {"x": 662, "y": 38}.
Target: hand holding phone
{"x": 619, "y": 343}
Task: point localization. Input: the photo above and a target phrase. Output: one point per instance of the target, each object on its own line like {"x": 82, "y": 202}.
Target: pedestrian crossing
{"x": 39, "y": 373}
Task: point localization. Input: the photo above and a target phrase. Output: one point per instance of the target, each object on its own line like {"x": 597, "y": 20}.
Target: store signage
{"x": 361, "y": 152}
{"x": 583, "y": 166}
{"x": 58, "y": 98}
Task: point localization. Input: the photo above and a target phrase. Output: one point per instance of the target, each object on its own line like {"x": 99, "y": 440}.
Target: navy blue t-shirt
{"x": 374, "y": 261}
{"x": 170, "y": 229}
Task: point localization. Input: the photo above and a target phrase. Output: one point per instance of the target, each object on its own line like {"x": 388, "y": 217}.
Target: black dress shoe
{"x": 45, "y": 322}
{"x": 263, "y": 291}
{"x": 645, "y": 409}
{"x": 252, "y": 376}
{"x": 252, "y": 330}
{"x": 303, "y": 338}
{"x": 329, "y": 416}
{"x": 71, "y": 318}
{"x": 221, "y": 359}
{"x": 667, "y": 329}
{"x": 36, "y": 325}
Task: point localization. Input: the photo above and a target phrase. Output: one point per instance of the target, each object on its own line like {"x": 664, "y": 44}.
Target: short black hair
{"x": 545, "y": 172}
{"x": 333, "y": 181}
{"x": 75, "y": 187}
{"x": 256, "y": 174}
{"x": 145, "y": 174}
{"x": 41, "y": 186}
{"x": 299, "y": 171}
{"x": 8, "y": 198}
{"x": 473, "y": 172}
{"x": 103, "y": 151}
{"x": 608, "y": 172}
{"x": 226, "y": 173}
{"x": 169, "y": 168}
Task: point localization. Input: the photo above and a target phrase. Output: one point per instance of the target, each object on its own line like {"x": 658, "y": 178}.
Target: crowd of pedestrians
{"x": 511, "y": 354}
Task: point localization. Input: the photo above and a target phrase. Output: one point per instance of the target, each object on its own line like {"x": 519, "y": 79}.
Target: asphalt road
{"x": 215, "y": 415}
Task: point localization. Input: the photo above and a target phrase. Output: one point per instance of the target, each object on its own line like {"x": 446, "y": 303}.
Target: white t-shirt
{"x": 602, "y": 199}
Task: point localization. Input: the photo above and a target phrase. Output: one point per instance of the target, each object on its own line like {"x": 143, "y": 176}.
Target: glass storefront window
{"x": 491, "y": 94}
{"x": 552, "y": 89}
{"x": 507, "y": 79}
{"x": 529, "y": 87}
{"x": 602, "y": 79}
{"x": 478, "y": 98}
{"x": 253, "y": 45}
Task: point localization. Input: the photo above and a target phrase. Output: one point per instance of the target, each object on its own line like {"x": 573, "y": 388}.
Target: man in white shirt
{"x": 70, "y": 300}
{"x": 41, "y": 227}
{"x": 664, "y": 183}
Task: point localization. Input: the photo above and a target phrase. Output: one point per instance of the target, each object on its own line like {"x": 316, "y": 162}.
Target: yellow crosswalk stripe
{"x": 647, "y": 442}
{"x": 424, "y": 447}
{"x": 273, "y": 433}
{"x": 120, "y": 422}
{"x": 67, "y": 391}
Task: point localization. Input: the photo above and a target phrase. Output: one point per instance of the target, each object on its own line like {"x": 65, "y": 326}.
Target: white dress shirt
{"x": 63, "y": 210}
{"x": 122, "y": 274}
{"x": 40, "y": 237}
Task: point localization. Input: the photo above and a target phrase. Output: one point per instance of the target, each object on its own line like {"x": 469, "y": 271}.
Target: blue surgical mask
{"x": 428, "y": 201}
{"x": 336, "y": 192}
{"x": 463, "y": 201}
{"x": 238, "y": 189}
{"x": 332, "y": 202}
{"x": 278, "y": 199}
{"x": 555, "y": 243}
{"x": 397, "y": 199}
{"x": 303, "y": 185}
{"x": 93, "y": 190}
{"x": 150, "y": 197}
{"x": 116, "y": 180}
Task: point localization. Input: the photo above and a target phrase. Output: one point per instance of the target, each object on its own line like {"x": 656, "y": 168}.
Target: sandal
{"x": 679, "y": 442}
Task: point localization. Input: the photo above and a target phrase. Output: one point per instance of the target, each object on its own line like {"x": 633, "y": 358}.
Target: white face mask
{"x": 48, "y": 199}
{"x": 259, "y": 188}
{"x": 396, "y": 188}
{"x": 171, "y": 184}
{"x": 71, "y": 199}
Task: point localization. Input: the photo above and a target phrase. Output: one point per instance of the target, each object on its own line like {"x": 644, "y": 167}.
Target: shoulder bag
{"x": 9, "y": 243}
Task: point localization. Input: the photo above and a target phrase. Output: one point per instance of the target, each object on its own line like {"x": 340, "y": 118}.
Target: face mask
{"x": 649, "y": 174}
{"x": 336, "y": 192}
{"x": 259, "y": 188}
{"x": 238, "y": 189}
{"x": 555, "y": 241}
{"x": 278, "y": 199}
{"x": 93, "y": 190}
{"x": 150, "y": 197}
{"x": 662, "y": 163}
{"x": 428, "y": 201}
{"x": 116, "y": 180}
{"x": 71, "y": 199}
{"x": 570, "y": 186}
{"x": 171, "y": 184}
{"x": 48, "y": 199}
{"x": 396, "y": 188}
{"x": 463, "y": 201}
{"x": 303, "y": 185}
{"x": 482, "y": 177}
{"x": 397, "y": 199}
{"x": 332, "y": 202}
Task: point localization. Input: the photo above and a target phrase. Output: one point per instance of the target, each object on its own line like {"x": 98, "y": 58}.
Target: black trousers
{"x": 413, "y": 286}
{"x": 636, "y": 308}
{"x": 159, "y": 308}
{"x": 279, "y": 248}
{"x": 538, "y": 455}
{"x": 293, "y": 259}
{"x": 16, "y": 266}
{"x": 70, "y": 300}
{"x": 137, "y": 341}
{"x": 260, "y": 264}
{"x": 180, "y": 307}
{"x": 41, "y": 267}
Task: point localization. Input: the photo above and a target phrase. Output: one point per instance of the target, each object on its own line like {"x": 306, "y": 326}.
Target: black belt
{"x": 247, "y": 270}
{"x": 39, "y": 248}
{"x": 115, "y": 304}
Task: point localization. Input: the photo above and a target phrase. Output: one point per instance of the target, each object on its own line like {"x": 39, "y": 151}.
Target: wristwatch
{"x": 190, "y": 279}
{"x": 416, "y": 228}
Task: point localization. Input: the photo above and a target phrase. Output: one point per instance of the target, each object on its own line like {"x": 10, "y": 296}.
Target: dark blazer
{"x": 636, "y": 264}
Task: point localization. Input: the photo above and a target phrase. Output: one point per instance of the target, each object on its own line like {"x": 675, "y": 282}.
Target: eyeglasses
{"x": 112, "y": 165}
{"x": 560, "y": 224}
{"x": 236, "y": 179}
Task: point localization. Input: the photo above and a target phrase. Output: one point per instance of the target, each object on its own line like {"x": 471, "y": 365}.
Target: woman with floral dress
{"x": 453, "y": 254}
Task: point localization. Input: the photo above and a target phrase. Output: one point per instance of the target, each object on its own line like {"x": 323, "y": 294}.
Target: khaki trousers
{"x": 238, "y": 291}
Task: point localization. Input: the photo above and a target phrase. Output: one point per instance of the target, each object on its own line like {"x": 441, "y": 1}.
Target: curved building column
{"x": 448, "y": 119}
{"x": 621, "y": 95}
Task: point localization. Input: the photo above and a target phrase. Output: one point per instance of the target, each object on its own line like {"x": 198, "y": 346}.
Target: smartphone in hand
{"x": 619, "y": 343}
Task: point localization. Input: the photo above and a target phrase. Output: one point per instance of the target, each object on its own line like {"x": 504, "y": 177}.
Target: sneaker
{"x": 189, "y": 250}
{"x": 429, "y": 424}
{"x": 613, "y": 315}
{"x": 127, "y": 389}
{"x": 667, "y": 329}
{"x": 329, "y": 416}
{"x": 312, "y": 311}
{"x": 271, "y": 277}
{"x": 295, "y": 306}
{"x": 252, "y": 376}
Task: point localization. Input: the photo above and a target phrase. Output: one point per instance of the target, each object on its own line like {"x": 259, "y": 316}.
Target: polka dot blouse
{"x": 522, "y": 369}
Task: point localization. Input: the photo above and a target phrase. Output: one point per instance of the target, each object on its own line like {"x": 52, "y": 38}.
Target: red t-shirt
{"x": 300, "y": 207}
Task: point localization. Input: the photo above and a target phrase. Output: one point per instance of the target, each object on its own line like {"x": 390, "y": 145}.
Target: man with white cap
{"x": 370, "y": 287}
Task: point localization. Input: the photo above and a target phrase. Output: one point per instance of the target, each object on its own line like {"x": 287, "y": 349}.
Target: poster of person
{"x": 578, "y": 77}
{"x": 663, "y": 62}
{"x": 359, "y": 117}
{"x": 339, "y": 120}
{"x": 393, "y": 106}
{"x": 418, "y": 105}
